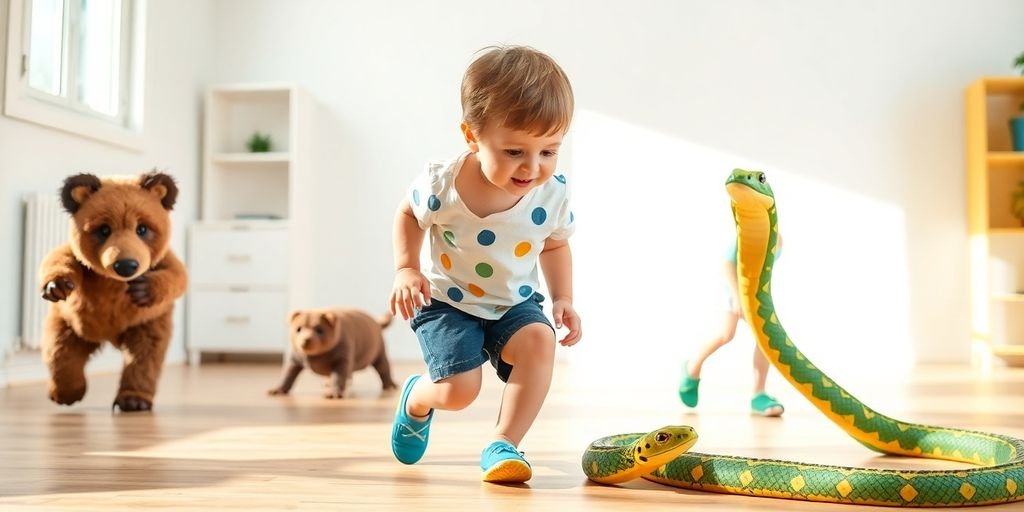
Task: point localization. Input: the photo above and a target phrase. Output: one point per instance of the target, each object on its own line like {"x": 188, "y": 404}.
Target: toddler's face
{"x": 517, "y": 161}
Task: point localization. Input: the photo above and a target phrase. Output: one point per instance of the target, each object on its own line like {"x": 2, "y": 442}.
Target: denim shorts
{"x": 454, "y": 342}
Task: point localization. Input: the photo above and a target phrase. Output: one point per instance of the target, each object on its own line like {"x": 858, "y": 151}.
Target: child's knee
{"x": 725, "y": 338}
{"x": 533, "y": 344}
{"x": 458, "y": 391}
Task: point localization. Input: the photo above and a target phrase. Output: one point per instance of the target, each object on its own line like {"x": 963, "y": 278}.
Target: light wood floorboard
{"x": 216, "y": 442}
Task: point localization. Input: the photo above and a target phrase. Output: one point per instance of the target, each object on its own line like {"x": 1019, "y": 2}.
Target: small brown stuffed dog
{"x": 335, "y": 342}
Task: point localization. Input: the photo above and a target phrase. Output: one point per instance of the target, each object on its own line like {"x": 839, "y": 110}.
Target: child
{"x": 492, "y": 214}
{"x": 761, "y": 403}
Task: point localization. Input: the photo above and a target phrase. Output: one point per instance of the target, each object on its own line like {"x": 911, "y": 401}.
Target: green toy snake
{"x": 999, "y": 479}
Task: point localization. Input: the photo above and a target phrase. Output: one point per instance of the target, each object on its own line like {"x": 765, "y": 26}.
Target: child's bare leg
{"x": 727, "y": 334}
{"x": 761, "y": 365}
{"x": 531, "y": 351}
{"x": 760, "y": 370}
{"x": 450, "y": 394}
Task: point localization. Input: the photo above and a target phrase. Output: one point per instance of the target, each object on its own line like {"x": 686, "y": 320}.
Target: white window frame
{"x": 29, "y": 104}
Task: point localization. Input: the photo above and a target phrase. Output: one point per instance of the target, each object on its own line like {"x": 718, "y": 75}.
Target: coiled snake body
{"x": 998, "y": 479}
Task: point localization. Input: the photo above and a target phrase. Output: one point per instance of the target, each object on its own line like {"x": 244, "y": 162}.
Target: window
{"x": 76, "y": 65}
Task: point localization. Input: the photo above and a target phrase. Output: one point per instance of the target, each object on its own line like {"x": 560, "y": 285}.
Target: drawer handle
{"x": 239, "y": 258}
{"x": 238, "y": 289}
{"x": 237, "y": 319}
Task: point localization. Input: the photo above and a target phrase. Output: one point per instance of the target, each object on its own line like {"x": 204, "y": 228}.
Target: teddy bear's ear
{"x": 162, "y": 185}
{"x": 77, "y": 189}
{"x": 293, "y": 315}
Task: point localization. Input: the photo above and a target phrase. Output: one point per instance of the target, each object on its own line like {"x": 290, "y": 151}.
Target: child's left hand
{"x": 565, "y": 315}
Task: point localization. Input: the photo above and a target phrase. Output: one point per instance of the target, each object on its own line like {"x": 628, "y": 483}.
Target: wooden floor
{"x": 216, "y": 442}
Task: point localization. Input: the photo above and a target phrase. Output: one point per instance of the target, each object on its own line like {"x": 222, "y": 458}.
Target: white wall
{"x": 855, "y": 109}
{"x": 35, "y": 158}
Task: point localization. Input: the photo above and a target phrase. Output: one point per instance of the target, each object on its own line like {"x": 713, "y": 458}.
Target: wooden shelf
{"x": 1008, "y": 350}
{"x": 997, "y": 237}
{"x": 1004, "y": 84}
{"x": 1004, "y": 158}
{"x": 1006, "y": 231}
{"x": 279, "y": 157}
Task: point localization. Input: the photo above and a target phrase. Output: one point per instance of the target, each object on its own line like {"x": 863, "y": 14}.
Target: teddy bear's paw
{"x": 334, "y": 394}
{"x": 66, "y": 395}
{"x": 140, "y": 292}
{"x": 58, "y": 289}
{"x": 276, "y": 391}
{"x": 132, "y": 404}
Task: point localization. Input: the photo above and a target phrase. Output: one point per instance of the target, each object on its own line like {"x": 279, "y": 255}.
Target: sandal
{"x": 688, "y": 387}
{"x": 765, "y": 405}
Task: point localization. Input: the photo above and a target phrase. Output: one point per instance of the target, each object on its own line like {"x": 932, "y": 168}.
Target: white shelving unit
{"x": 249, "y": 253}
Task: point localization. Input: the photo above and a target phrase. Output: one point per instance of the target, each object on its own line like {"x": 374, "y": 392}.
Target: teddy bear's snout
{"x": 126, "y": 268}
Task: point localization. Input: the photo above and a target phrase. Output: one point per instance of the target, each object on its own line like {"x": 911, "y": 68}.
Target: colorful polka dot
{"x": 522, "y": 249}
{"x": 416, "y": 197}
{"x": 446, "y": 262}
{"x": 484, "y": 270}
{"x": 525, "y": 291}
{"x": 571, "y": 217}
{"x": 560, "y": 178}
{"x": 455, "y": 294}
{"x": 433, "y": 203}
{"x": 539, "y": 215}
{"x": 450, "y": 238}
{"x": 485, "y": 237}
{"x": 476, "y": 290}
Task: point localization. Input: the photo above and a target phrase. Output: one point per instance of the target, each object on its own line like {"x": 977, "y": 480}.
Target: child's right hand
{"x": 410, "y": 292}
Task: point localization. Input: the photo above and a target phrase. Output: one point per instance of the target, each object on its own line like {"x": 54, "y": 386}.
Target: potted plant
{"x": 259, "y": 143}
{"x": 1017, "y": 122}
{"x": 1018, "y": 203}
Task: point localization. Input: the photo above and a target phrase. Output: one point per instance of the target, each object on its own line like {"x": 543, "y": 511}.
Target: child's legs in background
{"x": 726, "y": 335}
{"x": 761, "y": 365}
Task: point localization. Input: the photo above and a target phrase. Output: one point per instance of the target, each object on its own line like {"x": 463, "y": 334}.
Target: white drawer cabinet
{"x": 238, "y": 290}
{"x": 227, "y": 321}
{"x": 231, "y": 256}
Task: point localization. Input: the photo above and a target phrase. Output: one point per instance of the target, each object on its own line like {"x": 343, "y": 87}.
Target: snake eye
{"x": 661, "y": 437}
{"x": 760, "y": 177}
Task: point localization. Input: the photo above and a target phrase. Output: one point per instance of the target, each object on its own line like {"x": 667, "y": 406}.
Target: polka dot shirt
{"x": 484, "y": 266}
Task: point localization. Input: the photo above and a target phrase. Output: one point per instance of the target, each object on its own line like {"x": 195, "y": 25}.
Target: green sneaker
{"x": 765, "y": 405}
{"x": 688, "y": 387}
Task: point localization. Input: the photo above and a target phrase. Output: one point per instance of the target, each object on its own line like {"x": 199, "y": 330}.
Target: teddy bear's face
{"x": 120, "y": 227}
{"x": 313, "y": 333}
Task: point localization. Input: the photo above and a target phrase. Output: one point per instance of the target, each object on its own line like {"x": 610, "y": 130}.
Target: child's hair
{"x": 519, "y": 88}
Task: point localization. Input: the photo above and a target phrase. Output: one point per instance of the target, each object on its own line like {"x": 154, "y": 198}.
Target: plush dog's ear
{"x": 330, "y": 318}
{"x": 162, "y": 185}
{"x": 77, "y": 189}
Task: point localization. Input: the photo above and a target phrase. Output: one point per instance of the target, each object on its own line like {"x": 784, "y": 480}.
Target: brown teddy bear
{"x": 335, "y": 342}
{"x": 115, "y": 280}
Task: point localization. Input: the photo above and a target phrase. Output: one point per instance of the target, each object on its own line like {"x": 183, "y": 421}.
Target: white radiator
{"x": 46, "y": 227}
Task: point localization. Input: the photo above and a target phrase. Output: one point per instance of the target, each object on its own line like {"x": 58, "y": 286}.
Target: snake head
{"x": 660, "y": 446}
{"x": 749, "y": 187}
